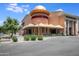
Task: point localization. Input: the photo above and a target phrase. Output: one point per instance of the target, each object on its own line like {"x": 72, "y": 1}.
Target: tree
{"x": 0, "y": 29}
{"x": 11, "y": 26}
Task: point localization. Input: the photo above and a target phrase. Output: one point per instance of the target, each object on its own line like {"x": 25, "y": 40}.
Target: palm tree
{"x": 11, "y": 26}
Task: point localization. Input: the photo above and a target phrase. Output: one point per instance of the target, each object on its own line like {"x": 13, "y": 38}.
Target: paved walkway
{"x": 52, "y": 46}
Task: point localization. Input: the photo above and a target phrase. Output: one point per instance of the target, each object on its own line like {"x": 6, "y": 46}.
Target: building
{"x": 42, "y": 22}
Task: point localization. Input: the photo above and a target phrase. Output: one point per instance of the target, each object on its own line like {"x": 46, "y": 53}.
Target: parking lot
{"x": 50, "y": 46}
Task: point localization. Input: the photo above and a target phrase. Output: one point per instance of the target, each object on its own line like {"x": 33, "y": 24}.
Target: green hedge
{"x": 26, "y": 37}
{"x": 32, "y": 37}
{"x": 40, "y": 37}
{"x": 14, "y": 38}
{"x": 0, "y": 39}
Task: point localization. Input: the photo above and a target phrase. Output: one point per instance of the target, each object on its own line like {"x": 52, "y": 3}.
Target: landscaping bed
{"x": 33, "y": 37}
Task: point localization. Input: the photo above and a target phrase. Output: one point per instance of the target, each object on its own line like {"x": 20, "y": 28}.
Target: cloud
{"x": 15, "y": 9}
{"x": 18, "y": 9}
{"x": 25, "y": 9}
{"x": 59, "y": 10}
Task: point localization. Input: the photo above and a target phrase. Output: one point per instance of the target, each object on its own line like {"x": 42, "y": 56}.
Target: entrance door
{"x": 70, "y": 31}
{"x": 53, "y": 31}
{"x": 29, "y": 31}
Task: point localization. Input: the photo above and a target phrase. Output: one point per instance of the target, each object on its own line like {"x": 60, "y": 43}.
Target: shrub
{"x": 14, "y": 38}
{"x": 33, "y": 37}
{"x": 40, "y": 37}
{"x": 0, "y": 39}
{"x": 26, "y": 37}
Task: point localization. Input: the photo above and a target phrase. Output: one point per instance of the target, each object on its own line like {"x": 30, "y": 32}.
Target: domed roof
{"x": 40, "y": 7}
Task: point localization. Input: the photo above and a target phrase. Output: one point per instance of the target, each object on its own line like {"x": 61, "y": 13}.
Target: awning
{"x": 51, "y": 26}
{"x": 59, "y": 26}
{"x": 29, "y": 25}
{"x": 40, "y": 25}
{"x": 43, "y": 25}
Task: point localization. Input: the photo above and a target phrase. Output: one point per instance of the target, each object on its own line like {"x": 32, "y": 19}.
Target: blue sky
{"x": 19, "y": 10}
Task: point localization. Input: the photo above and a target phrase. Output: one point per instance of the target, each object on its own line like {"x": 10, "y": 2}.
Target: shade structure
{"x": 43, "y": 25}
{"x": 29, "y": 25}
{"x": 51, "y": 26}
{"x": 59, "y": 26}
{"x": 40, "y": 25}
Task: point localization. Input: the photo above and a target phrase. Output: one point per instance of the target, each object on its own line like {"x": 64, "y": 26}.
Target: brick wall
{"x": 40, "y": 20}
{"x": 54, "y": 18}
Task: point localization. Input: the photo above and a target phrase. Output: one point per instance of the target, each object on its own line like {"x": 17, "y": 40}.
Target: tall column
{"x": 24, "y": 31}
{"x": 65, "y": 28}
{"x": 38, "y": 30}
{"x": 34, "y": 30}
{"x": 47, "y": 30}
{"x": 73, "y": 28}
{"x": 77, "y": 27}
{"x": 44, "y": 30}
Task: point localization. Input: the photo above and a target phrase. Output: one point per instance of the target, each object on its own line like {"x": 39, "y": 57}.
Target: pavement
{"x": 50, "y": 46}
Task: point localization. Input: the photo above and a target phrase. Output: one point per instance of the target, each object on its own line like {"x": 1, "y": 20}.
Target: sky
{"x": 19, "y": 10}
